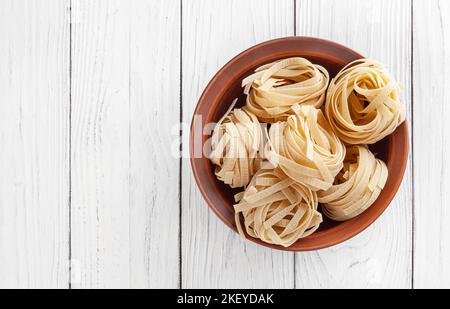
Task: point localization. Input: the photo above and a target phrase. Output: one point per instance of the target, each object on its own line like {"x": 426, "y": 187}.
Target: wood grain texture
{"x": 154, "y": 169}
{"x": 100, "y": 144}
{"x": 212, "y": 255}
{"x": 125, "y": 178}
{"x": 431, "y": 144}
{"x": 381, "y": 256}
{"x": 34, "y": 131}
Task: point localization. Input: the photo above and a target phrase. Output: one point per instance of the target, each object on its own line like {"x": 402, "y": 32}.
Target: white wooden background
{"x": 91, "y": 93}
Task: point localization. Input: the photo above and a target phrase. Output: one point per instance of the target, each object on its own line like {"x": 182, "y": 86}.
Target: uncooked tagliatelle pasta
{"x": 363, "y": 103}
{"x": 306, "y": 148}
{"x": 274, "y": 88}
{"x": 235, "y": 144}
{"x": 312, "y": 152}
{"x": 276, "y": 209}
{"x": 357, "y": 186}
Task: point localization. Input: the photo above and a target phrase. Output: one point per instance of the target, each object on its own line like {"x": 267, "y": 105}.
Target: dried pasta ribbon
{"x": 357, "y": 186}
{"x": 235, "y": 145}
{"x": 363, "y": 103}
{"x": 274, "y": 88}
{"x": 276, "y": 209}
{"x": 306, "y": 148}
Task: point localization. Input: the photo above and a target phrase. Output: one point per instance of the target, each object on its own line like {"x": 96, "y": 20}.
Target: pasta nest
{"x": 276, "y": 209}
{"x": 306, "y": 148}
{"x": 357, "y": 186}
{"x": 363, "y": 103}
{"x": 274, "y": 88}
{"x": 235, "y": 145}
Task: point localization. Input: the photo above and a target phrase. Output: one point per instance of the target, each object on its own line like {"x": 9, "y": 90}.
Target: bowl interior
{"x": 226, "y": 86}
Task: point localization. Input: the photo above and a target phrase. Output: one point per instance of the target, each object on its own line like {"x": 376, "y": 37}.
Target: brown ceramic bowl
{"x": 226, "y": 86}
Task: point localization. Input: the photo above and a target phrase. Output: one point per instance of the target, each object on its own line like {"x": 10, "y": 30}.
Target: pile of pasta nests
{"x": 314, "y": 151}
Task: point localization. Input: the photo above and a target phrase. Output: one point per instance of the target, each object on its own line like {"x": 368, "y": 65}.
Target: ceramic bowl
{"x": 226, "y": 86}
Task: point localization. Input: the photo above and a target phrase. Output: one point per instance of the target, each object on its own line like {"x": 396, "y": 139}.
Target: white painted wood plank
{"x": 34, "y": 134}
{"x": 380, "y": 257}
{"x": 125, "y": 210}
{"x": 431, "y": 144}
{"x": 154, "y": 169}
{"x": 212, "y": 255}
{"x": 100, "y": 144}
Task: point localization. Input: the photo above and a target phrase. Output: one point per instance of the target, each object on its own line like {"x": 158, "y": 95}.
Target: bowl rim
{"x": 402, "y": 132}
